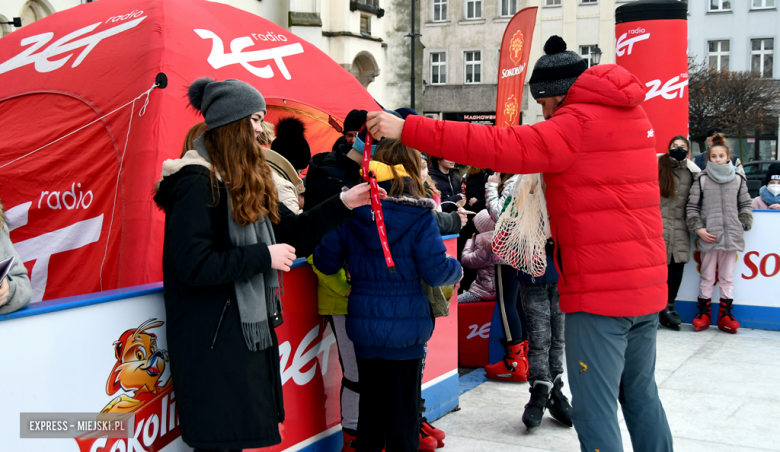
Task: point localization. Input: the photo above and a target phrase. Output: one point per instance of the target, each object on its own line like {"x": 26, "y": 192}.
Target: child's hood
{"x": 400, "y": 215}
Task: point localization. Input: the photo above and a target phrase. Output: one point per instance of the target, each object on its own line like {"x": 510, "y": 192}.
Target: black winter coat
{"x": 475, "y": 188}
{"x": 228, "y": 397}
{"x": 449, "y": 186}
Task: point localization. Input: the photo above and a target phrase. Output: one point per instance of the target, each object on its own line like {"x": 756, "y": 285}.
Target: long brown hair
{"x": 237, "y": 157}
{"x": 504, "y": 177}
{"x": 192, "y": 134}
{"x": 666, "y": 178}
{"x": 392, "y": 152}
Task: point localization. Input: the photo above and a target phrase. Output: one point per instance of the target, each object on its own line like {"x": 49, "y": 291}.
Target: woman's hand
{"x": 463, "y": 218}
{"x": 384, "y": 125}
{"x": 360, "y": 195}
{"x": 775, "y": 206}
{"x": 495, "y": 178}
{"x": 706, "y": 236}
{"x": 472, "y": 201}
{"x": 282, "y": 256}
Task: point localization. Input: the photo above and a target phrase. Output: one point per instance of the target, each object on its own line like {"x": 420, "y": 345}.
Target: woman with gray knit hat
{"x": 596, "y": 150}
{"x": 227, "y": 240}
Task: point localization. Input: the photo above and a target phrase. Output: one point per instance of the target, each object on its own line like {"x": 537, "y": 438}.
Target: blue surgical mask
{"x": 359, "y": 145}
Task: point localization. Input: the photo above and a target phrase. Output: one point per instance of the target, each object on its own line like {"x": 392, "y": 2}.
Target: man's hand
{"x": 4, "y": 291}
{"x": 463, "y": 218}
{"x": 384, "y": 125}
{"x": 495, "y": 178}
{"x": 706, "y": 236}
{"x": 360, "y": 195}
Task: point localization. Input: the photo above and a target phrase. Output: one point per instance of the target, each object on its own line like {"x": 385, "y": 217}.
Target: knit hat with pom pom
{"x": 224, "y": 102}
{"x": 556, "y": 71}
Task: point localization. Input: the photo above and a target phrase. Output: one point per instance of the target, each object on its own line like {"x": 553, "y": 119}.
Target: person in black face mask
{"x": 675, "y": 175}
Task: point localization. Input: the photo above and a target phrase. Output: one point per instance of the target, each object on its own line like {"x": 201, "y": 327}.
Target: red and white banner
{"x": 656, "y": 51}
{"x": 513, "y": 66}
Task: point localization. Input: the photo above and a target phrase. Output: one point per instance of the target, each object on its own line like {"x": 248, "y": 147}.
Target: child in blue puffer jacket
{"x": 390, "y": 317}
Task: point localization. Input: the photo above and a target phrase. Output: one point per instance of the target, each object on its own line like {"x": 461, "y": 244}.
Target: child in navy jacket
{"x": 390, "y": 317}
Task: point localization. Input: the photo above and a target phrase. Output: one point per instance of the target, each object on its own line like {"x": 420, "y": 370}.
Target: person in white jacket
{"x": 15, "y": 289}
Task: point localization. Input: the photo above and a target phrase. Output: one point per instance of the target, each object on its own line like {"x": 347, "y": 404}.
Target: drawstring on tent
{"x": 141, "y": 113}
{"x": 376, "y": 205}
{"x": 145, "y": 93}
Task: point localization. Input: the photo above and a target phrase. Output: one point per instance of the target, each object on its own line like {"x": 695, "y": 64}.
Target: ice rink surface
{"x": 721, "y": 392}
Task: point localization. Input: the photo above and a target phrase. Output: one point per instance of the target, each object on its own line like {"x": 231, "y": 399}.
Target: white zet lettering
{"x": 483, "y": 332}
{"x": 63, "y": 45}
{"x": 219, "y": 59}
{"x": 670, "y": 90}
{"x": 623, "y": 43}
{"x": 41, "y": 248}
{"x": 303, "y": 357}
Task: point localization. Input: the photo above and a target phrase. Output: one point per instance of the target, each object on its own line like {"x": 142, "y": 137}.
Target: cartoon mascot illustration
{"x": 139, "y": 366}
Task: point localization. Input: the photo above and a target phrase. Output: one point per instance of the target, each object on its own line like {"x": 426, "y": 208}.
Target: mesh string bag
{"x": 523, "y": 227}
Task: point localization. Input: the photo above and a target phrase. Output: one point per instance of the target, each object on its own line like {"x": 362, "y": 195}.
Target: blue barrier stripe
{"x": 758, "y": 317}
{"x": 471, "y": 380}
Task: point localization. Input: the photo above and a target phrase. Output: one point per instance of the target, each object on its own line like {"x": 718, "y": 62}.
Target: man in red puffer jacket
{"x": 597, "y": 152}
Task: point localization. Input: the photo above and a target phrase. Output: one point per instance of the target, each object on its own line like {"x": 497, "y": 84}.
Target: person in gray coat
{"x": 719, "y": 211}
{"x": 15, "y": 290}
{"x": 675, "y": 176}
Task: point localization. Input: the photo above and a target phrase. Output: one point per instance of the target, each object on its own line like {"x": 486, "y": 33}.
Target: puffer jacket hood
{"x": 607, "y": 84}
{"x": 170, "y": 171}
{"x": 389, "y": 313}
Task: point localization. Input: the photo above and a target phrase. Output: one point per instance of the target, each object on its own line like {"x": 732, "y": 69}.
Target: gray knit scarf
{"x": 721, "y": 173}
{"x": 259, "y": 295}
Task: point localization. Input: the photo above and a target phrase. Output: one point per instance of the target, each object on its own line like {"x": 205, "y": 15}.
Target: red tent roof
{"x": 80, "y": 225}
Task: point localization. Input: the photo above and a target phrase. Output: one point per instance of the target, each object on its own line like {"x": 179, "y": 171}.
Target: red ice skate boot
{"x": 513, "y": 366}
{"x": 726, "y": 321}
{"x": 702, "y": 320}
{"x": 433, "y": 432}
{"x": 350, "y": 442}
{"x": 427, "y": 442}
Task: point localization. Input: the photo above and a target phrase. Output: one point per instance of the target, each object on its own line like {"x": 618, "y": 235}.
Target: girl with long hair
{"x": 719, "y": 212}
{"x": 390, "y": 319}
{"x": 675, "y": 176}
{"x": 227, "y": 238}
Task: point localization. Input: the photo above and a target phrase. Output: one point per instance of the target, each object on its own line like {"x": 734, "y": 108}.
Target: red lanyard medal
{"x": 376, "y": 205}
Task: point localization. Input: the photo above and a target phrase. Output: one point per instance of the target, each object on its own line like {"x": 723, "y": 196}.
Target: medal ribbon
{"x": 376, "y": 204}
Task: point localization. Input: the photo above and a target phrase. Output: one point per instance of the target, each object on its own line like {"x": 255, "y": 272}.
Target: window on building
{"x": 584, "y": 2}
{"x": 473, "y": 69}
{"x": 762, "y": 56}
{"x": 508, "y": 7}
{"x": 759, "y": 4}
{"x": 439, "y": 10}
{"x": 552, "y": 2}
{"x": 365, "y": 24}
{"x": 718, "y": 55}
{"x": 720, "y": 5}
{"x": 371, "y": 3}
{"x": 586, "y": 52}
{"x": 473, "y": 9}
{"x": 438, "y": 68}
{"x": 34, "y": 11}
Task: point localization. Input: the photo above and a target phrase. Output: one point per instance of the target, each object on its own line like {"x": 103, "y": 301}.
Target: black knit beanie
{"x": 291, "y": 144}
{"x": 355, "y": 120}
{"x": 556, "y": 71}
{"x": 224, "y": 102}
{"x": 773, "y": 173}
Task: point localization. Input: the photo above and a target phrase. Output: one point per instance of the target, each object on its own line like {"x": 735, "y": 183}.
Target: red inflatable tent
{"x": 85, "y": 132}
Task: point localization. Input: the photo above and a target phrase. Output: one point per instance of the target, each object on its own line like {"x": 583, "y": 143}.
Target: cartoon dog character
{"x": 139, "y": 366}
